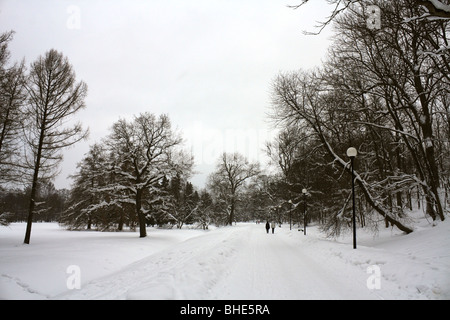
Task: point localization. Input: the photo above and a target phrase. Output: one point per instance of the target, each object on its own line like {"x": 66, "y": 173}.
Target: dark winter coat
{"x": 267, "y": 226}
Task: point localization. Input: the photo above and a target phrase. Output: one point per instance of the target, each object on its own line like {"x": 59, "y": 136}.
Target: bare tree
{"x": 54, "y": 97}
{"x": 12, "y": 98}
{"x": 231, "y": 173}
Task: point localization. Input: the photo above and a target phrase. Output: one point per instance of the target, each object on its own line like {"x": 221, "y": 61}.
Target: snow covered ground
{"x": 241, "y": 262}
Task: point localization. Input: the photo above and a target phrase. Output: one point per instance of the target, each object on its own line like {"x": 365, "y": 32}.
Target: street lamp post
{"x": 290, "y": 214}
{"x": 304, "y": 211}
{"x": 352, "y": 153}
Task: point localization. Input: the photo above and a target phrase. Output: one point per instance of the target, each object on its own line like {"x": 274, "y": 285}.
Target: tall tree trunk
{"x": 140, "y": 214}
{"x": 121, "y": 220}
{"x": 232, "y": 209}
{"x": 428, "y": 138}
{"x": 31, "y": 206}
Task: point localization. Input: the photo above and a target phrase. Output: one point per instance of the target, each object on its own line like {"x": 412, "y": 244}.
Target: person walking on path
{"x": 273, "y": 227}
{"x": 267, "y": 226}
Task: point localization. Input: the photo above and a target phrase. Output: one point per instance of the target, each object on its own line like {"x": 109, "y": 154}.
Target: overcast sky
{"x": 208, "y": 64}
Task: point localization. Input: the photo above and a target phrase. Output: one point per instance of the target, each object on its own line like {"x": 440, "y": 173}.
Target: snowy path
{"x": 273, "y": 267}
{"x": 239, "y": 262}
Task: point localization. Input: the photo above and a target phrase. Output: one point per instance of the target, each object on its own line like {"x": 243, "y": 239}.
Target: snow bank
{"x": 413, "y": 266}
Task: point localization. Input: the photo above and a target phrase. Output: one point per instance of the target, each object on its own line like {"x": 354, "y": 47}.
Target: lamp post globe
{"x": 352, "y": 152}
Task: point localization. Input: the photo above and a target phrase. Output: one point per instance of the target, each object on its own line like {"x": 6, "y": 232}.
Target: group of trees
{"x": 36, "y": 106}
{"x": 139, "y": 176}
{"x": 384, "y": 91}
{"x": 125, "y": 179}
{"x": 50, "y": 202}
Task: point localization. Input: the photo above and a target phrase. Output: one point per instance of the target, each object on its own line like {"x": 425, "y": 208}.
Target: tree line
{"x": 50, "y": 202}
{"x": 384, "y": 91}
{"x": 139, "y": 176}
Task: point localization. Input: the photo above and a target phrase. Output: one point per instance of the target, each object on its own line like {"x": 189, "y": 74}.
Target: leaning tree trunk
{"x": 32, "y": 198}
{"x": 37, "y": 164}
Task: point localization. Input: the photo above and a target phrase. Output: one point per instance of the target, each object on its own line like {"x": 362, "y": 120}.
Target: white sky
{"x": 208, "y": 64}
